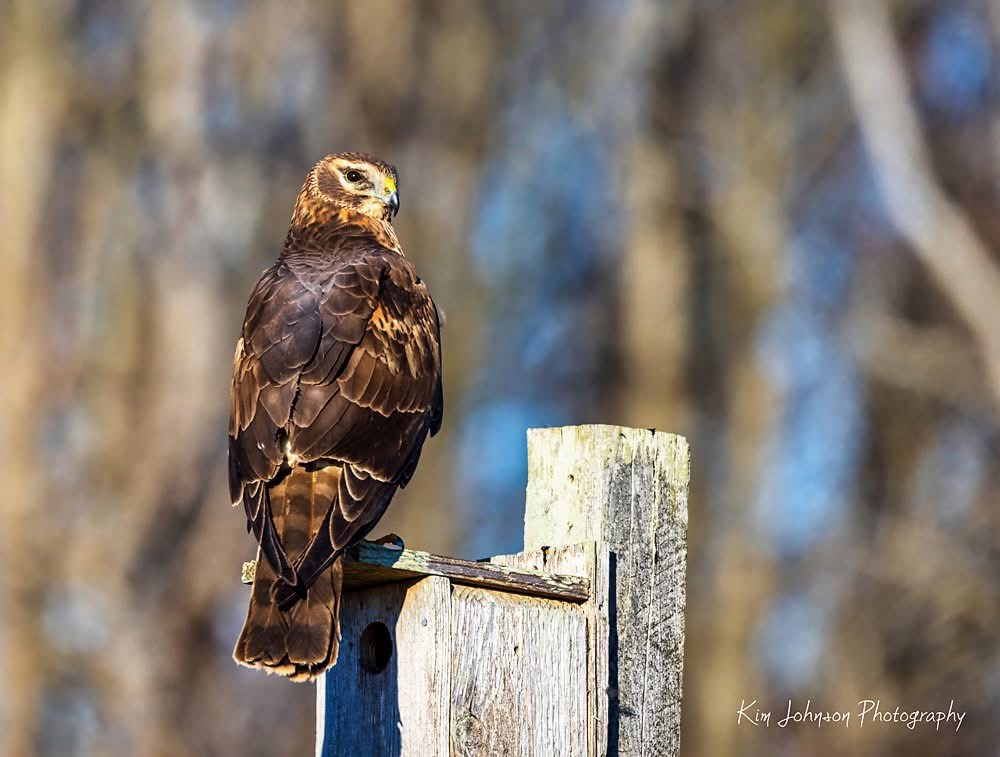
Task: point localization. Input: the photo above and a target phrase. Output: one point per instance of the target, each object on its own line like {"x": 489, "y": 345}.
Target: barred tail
{"x": 302, "y": 641}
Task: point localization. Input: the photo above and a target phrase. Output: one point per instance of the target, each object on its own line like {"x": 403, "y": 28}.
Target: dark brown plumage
{"x": 336, "y": 385}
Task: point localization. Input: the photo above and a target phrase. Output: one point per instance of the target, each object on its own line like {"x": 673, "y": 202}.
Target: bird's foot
{"x": 390, "y": 541}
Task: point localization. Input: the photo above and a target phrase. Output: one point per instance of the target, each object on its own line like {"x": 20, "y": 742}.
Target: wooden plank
{"x": 593, "y": 561}
{"x": 369, "y": 564}
{"x": 404, "y": 708}
{"x": 628, "y": 488}
{"x": 519, "y": 675}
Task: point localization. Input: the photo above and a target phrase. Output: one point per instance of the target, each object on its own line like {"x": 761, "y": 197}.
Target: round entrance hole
{"x": 376, "y": 647}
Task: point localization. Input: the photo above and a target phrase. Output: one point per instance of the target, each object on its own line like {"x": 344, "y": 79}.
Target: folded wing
{"x": 338, "y": 365}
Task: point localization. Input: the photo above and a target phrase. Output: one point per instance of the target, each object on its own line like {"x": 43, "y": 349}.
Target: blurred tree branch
{"x": 929, "y": 360}
{"x": 940, "y": 234}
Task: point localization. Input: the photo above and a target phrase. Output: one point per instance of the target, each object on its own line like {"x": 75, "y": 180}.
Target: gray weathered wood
{"x": 519, "y": 675}
{"x": 520, "y": 667}
{"x": 368, "y": 564}
{"x": 404, "y": 709}
{"x": 593, "y": 561}
{"x": 628, "y": 488}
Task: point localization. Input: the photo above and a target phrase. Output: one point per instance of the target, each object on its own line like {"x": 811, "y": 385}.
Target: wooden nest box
{"x": 572, "y": 647}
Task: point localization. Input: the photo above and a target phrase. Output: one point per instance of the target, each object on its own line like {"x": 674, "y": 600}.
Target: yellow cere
{"x": 390, "y": 184}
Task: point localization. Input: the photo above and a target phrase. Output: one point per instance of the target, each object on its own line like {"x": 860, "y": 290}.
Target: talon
{"x": 390, "y": 541}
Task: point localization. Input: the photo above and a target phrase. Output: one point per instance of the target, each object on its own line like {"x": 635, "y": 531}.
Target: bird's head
{"x": 354, "y": 181}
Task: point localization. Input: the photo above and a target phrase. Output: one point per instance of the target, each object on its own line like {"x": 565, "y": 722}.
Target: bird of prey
{"x": 336, "y": 385}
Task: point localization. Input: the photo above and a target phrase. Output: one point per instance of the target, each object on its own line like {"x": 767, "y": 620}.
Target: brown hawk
{"x": 336, "y": 385}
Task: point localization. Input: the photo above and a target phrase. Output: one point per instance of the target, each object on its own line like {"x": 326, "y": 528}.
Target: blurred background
{"x": 770, "y": 226}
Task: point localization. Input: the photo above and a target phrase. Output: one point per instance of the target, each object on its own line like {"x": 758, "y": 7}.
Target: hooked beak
{"x": 393, "y": 202}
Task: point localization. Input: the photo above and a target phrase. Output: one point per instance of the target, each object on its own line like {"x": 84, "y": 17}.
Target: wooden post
{"x": 573, "y": 649}
{"x": 627, "y": 488}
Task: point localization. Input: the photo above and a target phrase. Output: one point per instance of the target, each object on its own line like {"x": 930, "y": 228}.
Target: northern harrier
{"x": 336, "y": 385}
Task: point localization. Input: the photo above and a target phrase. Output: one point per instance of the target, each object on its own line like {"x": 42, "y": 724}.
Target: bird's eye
{"x": 354, "y": 176}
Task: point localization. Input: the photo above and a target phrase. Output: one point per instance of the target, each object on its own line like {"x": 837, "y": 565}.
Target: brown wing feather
{"x": 340, "y": 359}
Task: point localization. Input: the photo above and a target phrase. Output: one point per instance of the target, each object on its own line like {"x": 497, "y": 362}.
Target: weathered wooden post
{"x": 626, "y": 488}
{"x": 573, "y": 647}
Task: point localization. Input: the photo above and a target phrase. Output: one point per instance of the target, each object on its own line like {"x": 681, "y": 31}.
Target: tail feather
{"x": 302, "y": 641}
{"x": 266, "y": 627}
{"x": 314, "y": 628}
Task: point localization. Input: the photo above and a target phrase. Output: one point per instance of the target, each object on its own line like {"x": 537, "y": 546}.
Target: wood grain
{"x": 403, "y": 710}
{"x": 628, "y": 488}
{"x": 593, "y": 561}
{"x": 369, "y": 564}
{"x": 519, "y": 675}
